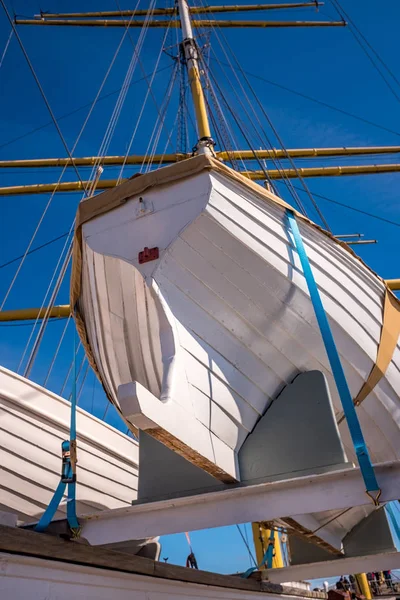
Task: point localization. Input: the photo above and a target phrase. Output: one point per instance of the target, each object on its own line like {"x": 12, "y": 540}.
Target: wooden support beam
{"x": 38, "y": 554}
{"x": 333, "y": 568}
{"x": 195, "y": 10}
{"x": 335, "y": 490}
{"x": 204, "y": 23}
{"x": 136, "y": 159}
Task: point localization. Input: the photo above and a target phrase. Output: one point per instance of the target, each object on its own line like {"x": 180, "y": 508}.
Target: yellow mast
{"x": 363, "y": 585}
{"x": 25, "y": 314}
{"x": 205, "y": 142}
{"x": 137, "y": 159}
{"x": 170, "y": 11}
{"x": 189, "y": 48}
{"x": 207, "y": 23}
{"x": 262, "y": 539}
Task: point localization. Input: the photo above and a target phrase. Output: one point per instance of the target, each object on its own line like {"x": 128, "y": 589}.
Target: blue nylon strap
{"x": 267, "y": 558}
{"x": 357, "y": 437}
{"x": 50, "y": 511}
{"x": 48, "y": 515}
{"x": 395, "y": 523}
{"x": 71, "y": 501}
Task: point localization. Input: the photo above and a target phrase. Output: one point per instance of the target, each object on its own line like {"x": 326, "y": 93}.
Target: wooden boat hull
{"x": 214, "y": 328}
{"x": 33, "y": 423}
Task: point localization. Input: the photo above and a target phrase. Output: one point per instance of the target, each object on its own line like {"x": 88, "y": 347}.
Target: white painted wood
{"x": 33, "y": 423}
{"x": 334, "y": 568}
{"x": 39, "y": 579}
{"x": 8, "y": 519}
{"x": 229, "y": 320}
{"x": 336, "y": 490}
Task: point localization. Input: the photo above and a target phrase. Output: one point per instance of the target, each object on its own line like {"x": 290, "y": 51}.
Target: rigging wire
{"x": 149, "y": 91}
{"x": 149, "y": 84}
{"x": 39, "y": 85}
{"x": 70, "y": 368}
{"x": 47, "y": 207}
{"x": 76, "y": 110}
{"x": 82, "y": 383}
{"x": 110, "y": 130}
{"x": 169, "y": 137}
{"x": 251, "y": 555}
{"x": 52, "y": 241}
{"x": 276, "y": 161}
{"x": 273, "y": 128}
{"x": 246, "y": 535}
{"x": 57, "y": 351}
{"x": 43, "y": 324}
{"x": 6, "y": 48}
{"x": 321, "y": 103}
{"x": 76, "y": 377}
{"x": 157, "y": 129}
{"x": 363, "y": 43}
{"x": 353, "y": 208}
{"x": 228, "y": 140}
{"x": 162, "y": 121}
{"x": 236, "y": 119}
{"x": 95, "y": 170}
{"x": 182, "y": 135}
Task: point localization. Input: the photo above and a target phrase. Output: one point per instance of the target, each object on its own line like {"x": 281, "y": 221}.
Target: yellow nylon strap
{"x": 387, "y": 345}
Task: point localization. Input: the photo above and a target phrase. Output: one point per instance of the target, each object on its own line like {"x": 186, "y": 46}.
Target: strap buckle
{"x": 69, "y": 460}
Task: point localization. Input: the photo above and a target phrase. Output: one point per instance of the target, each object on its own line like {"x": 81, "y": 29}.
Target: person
{"x": 340, "y": 584}
{"x": 191, "y": 561}
{"x": 388, "y": 579}
{"x": 346, "y": 584}
{"x": 352, "y": 582}
{"x": 326, "y": 586}
{"x": 372, "y": 582}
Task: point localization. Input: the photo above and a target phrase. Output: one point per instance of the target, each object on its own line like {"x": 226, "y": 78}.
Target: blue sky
{"x": 326, "y": 64}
